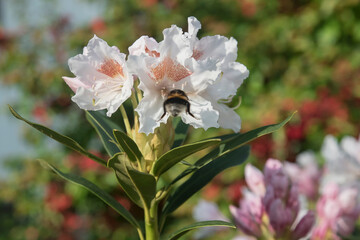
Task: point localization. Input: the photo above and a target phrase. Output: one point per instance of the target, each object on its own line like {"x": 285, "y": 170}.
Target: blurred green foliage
{"x": 302, "y": 55}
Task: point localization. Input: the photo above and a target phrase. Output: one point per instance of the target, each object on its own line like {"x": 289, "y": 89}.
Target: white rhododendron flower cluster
{"x": 205, "y": 70}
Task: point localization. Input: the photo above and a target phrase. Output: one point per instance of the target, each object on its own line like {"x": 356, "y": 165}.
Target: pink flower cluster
{"x": 270, "y": 206}
{"x": 337, "y": 212}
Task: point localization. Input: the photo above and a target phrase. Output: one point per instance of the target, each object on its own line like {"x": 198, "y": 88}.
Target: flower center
{"x": 170, "y": 69}
{"x": 111, "y": 68}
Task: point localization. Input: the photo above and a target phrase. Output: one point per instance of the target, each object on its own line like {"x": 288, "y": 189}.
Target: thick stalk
{"x": 151, "y": 223}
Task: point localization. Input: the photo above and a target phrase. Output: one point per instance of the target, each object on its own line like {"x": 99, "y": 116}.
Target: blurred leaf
{"x": 181, "y": 130}
{"x": 214, "y": 223}
{"x": 175, "y": 155}
{"x": 104, "y": 196}
{"x": 139, "y": 186}
{"x": 203, "y": 176}
{"x": 104, "y": 128}
{"x": 128, "y": 146}
{"x": 60, "y": 138}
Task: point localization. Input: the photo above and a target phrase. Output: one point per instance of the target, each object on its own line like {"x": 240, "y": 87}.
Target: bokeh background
{"x": 303, "y": 55}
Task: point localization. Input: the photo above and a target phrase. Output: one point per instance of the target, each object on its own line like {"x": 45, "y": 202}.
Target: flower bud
{"x": 255, "y": 180}
{"x": 304, "y": 226}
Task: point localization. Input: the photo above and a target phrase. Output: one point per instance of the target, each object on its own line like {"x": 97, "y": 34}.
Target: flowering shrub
{"x": 300, "y": 54}
{"x": 180, "y": 76}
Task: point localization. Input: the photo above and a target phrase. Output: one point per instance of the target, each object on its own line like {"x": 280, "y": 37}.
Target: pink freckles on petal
{"x": 111, "y": 68}
{"x": 152, "y": 53}
{"x": 197, "y": 54}
{"x": 168, "y": 68}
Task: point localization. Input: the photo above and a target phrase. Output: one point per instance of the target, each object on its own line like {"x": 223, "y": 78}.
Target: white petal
{"x": 233, "y": 76}
{"x": 138, "y": 65}
{"x": 204, "y": 73}
{"x": 217, "y": 47}
{"x": 98, "y": 50}
{"x": 121, "y": 97}
{"x": 144, "y": 45}
{"x": 175, "y": 45}
{"x": 193, "y": 27}
{"x": 81, "y": 67}
{"x": 86, "y": 99}
{"x": 228, "y": 118}
{"x": 74, "y": 83}
{"x": 150, "y": 110}
{"x": 202, "y": 109}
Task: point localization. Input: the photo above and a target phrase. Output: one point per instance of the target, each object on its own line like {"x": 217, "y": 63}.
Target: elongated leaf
{"x": 215, "y": 223}
{"x": 124, "y": 179}
{"x": 104, "y": 128}
{"x": 204, "y": 175}
{"x": 241, "y": 139}
{"x": 181, "y": 130}
{"x": 139, "y": 186}
{"x": 58, "y": 137}
{"x": 128, "y": 146}
{"x": 145, "y": 184}
{"x": 104, "y": 196}
{"x": 232, "y": 141}
{"x": 175, "y": 155}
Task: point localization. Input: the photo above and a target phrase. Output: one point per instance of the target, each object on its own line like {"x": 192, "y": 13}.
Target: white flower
{"x": 178, "y": 62}
{"x": 224, "y": 52}
{"x": 102, "y": 80}
{"x": 168, "y": 65}
{"x": 342, "y": 161}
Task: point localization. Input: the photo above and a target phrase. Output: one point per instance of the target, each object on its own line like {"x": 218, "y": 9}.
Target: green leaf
{"x": 204, "y": 175}
{"x": 231, "y": 142}
{"x": 139, "y": 186}
{"x": 175, "y": 155}
{"x": 123, "y": 178}
{"x": 145, "y": 185}
{"x": 181, "y": 130}
{"x": 104, "y": 128}
{"x": 128, "y": 146}
{"x": 215, "y": 223}
{"x": 60, "y": 138}
{"x": 104, "y": 196}
{"x": 241, "y": 139}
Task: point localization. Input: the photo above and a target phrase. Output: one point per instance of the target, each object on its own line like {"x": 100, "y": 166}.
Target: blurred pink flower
{"x": 276, "y": 208}
{"x": 255, "y": 180}
{"x": 248, "y": 217}
{"x": 305, "y": 173}
{"x": 338, "y": 211}
{"x": 342, "y": 161}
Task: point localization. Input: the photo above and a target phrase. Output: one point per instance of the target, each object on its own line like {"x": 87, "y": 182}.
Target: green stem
{"x": 151, "y": 223}
{"x": 134, "y": 101}
{"x": 126, "y": 119}
{"x": 141, "y": 236}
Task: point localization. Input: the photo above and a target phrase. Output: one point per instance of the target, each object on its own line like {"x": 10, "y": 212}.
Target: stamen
{"x": 237, "y": 105}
